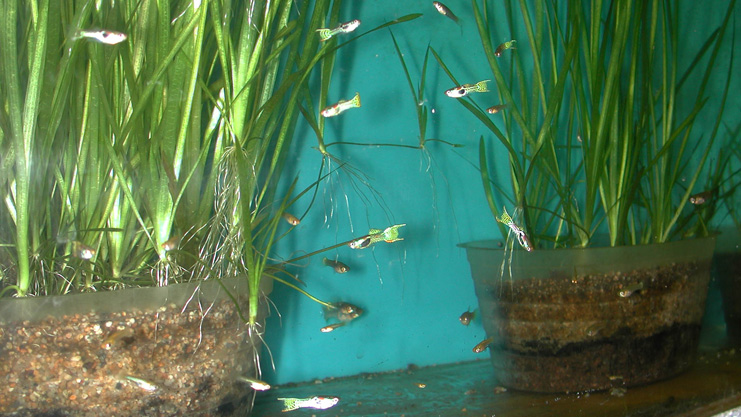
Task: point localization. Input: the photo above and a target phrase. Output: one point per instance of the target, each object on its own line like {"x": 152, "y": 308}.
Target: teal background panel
{"x": 414, "y": 290}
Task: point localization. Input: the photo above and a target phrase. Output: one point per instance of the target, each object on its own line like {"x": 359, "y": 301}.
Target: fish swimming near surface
{"x": 107, "y": 37}
{"x": 483, "y": 345}
{"x": 319, "y": 403}
{"x": 341, "y": 106}
{"x": 445, "y": 11}
{"x": 347, "y": 27}
{"x": 503, "y": 47}
{"x": 467, "y": 317}
{"x": 465, "y": 89}
{"x": 338, "y": 266}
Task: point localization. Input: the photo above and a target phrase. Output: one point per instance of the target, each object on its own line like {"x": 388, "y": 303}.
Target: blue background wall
{"x": 414, "y": 290}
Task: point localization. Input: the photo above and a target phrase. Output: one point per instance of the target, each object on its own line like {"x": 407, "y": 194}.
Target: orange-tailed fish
{"x": 331, "y": 327}
{"x": 465, "y": 89}
{"x": 341, "y": 106}
{"x": 700, "y": 198}
{"x": 291, "y": 219}
{"x": 255, "y": 384}
{"x": 503, "y": 47}
{"x": 496, "y": 109}
{"x": 338, "y": 266}
{"x": 467, "y": 317}
{"x": 119, "y": 337}
{"x": 347, "y": 27}
{"x": 344, "y": 312}
{"x": 171, "y": 243}
{"x": 445, "y": 11}
{"x": 483, "y": 345}
{"x": 82, "y": 251}
{"x": 107, "y": 37}
{"x": 521, "y": 236}
{"x": 319, "y": 403}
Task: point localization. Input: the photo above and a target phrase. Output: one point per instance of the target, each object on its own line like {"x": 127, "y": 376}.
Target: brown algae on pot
{"x": 165, "y": 361}
{"x": 558, "y": 329}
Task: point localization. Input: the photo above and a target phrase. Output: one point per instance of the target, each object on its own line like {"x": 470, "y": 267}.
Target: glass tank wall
{"x": 414, "y": 290}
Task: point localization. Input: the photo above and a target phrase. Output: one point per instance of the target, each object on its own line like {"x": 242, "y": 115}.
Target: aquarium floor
{"x": 710, "y": 387}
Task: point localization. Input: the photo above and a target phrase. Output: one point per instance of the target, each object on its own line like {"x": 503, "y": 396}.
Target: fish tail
{"x": 481, "y": 86}
{"x": 289, "y": 404}
{"x": 324, "y": 34}
{"x": 326, "y": 261}
{"x": 356, "y": 100}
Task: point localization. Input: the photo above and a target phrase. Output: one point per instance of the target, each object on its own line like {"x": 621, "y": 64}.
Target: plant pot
{"x": 728, "y": 271}
{"x": 167, "y": 351}
{"x": 566, "y": 320}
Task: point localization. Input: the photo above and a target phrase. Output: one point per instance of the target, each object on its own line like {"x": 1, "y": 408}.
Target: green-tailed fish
{"x": 341, "y": 106}
{"x": 465, "y": 89}
{"x": 319, "y": 403}
{"x": 347, "y": 27}
{"x": 503, "y": 47}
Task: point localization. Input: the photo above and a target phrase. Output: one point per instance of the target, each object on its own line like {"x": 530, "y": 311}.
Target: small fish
{"x": 82, "y": 251}
{"x": 319, "y": 403}
{"x": 445, "y": 11}
{"x": 331, "y": 327}
{"x": 347, "y": 27}
{"x": 141, "y": 383}
{"x": 388, "y": 235}
{"x": 521, "y": 236}
{"x": 171, "y": 243}
{"x": 119, "y": 337}
{"x": 467, "y": 317}
{"x": 107, "y": 37}
{"x": 421, "y": 385}
{"x": 291, "y": 219}
{"x": 360, "y": 243}
{"x": 344, "y": 312}
{"x": 503, "y": 47}
{"x": 463, "y": 90}
{"x": 496, "y": 109}
{"x": 630, "y": 289}
{"x": 338, "y": 266}
{"x": 483, "y": 345}
{"x": 255, "y": 384}
{"x": 700, "y": 198}
{"x": 341, "y": 106}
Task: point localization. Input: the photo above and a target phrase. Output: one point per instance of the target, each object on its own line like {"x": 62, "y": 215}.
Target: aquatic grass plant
{"x": 593, "y": 127}
{"x": 159, "y": 159}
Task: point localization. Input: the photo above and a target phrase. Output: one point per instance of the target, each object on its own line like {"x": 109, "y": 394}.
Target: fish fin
{"x": 356, "y": 100}
{"x": 289, "y": 404}
{"x": 326, "y": 261}
{"x": 324, "y": 34}
{"x": 374, "y": 231}
{"x": 481, "y": 86}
